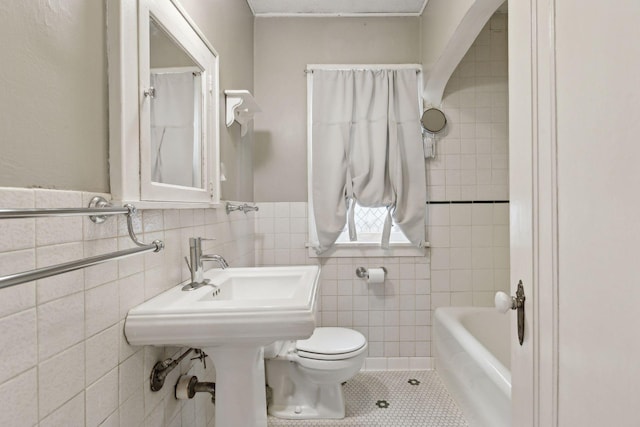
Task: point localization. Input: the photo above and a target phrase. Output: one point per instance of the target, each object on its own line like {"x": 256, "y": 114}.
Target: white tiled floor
{"x": 392, "y": 399}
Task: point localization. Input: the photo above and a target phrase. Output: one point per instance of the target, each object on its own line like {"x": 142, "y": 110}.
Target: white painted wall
{"x": 53, "y": 95}
{"x": 440, "y": 20}
{"x": 53, "y": 91}
{"x": 228, "y": 25}
{"x": 283, "y": 48}
{"x": 598, "y": 94}
{"x": 448, "y": 29}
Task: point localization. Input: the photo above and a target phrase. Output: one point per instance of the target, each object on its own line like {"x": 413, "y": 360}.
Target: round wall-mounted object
{"x": 433, "y": 120}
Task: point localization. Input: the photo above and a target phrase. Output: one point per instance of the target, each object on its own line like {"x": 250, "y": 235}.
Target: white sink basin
{"x": 254, "y": 306}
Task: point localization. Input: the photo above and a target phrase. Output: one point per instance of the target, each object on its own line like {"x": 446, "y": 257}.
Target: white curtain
{"x": 367, "y": 147}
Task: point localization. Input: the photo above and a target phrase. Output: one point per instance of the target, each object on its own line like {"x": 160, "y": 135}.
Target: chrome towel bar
{"x": 40, "y": 273}
{"x": 97, "y": 211}
{"x": 40, "y": 213}
{"x": 98, "y": 208}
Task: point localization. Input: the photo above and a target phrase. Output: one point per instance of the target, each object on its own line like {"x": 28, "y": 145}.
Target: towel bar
{"x": 97, "y": 210}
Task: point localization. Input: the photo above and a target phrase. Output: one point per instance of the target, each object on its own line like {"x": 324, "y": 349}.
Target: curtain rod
{"x": 357, "y": 69}
{"x": 362, "y": 67}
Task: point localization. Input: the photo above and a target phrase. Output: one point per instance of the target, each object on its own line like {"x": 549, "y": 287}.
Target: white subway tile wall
{"x": 469, "y": 255}
{"x": 65, "y": 357}
{"x": 472, "y": 162}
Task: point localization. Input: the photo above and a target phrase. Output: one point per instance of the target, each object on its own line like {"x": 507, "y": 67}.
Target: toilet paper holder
{"x": 363, "y": 273}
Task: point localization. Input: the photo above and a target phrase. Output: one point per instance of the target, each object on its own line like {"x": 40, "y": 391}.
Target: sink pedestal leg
{"x": 240, "y": 386}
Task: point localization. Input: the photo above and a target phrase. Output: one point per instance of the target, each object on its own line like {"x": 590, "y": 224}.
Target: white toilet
{"x": 306, "y": 376}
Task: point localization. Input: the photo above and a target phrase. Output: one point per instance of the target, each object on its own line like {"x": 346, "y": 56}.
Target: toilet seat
{"x": 330, "y": 343}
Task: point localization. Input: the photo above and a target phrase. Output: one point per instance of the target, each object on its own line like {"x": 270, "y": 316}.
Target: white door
{"x": 598, "y": 155}
{"x": 533, "y": 197}
{"x": 575, "y": 210}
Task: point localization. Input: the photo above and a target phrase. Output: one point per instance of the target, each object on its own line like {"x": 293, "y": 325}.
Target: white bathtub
{"x": 473, "y": 355}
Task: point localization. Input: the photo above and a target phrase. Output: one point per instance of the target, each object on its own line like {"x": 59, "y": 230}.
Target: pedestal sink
{"x": 253, "y": 308}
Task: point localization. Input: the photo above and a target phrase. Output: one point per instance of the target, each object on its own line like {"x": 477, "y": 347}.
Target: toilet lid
{"x": 331, "y": 343}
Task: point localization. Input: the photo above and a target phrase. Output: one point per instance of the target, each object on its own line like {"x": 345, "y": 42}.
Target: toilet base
{"x": 327, "y": 399}
{"x": 296, "y": 397}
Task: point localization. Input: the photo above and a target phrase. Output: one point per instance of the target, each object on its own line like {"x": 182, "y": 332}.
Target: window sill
{"x": 367, "y": 250}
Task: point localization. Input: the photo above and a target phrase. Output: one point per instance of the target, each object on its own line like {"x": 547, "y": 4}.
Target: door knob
{"x": 504, "y": 302}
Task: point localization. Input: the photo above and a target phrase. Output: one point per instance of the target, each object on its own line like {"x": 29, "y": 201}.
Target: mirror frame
{"x": 125, "y": 104}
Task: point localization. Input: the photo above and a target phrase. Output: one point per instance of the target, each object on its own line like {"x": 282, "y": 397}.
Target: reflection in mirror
{"x": 433, "y": 120}
{"x": 176, "y": 112}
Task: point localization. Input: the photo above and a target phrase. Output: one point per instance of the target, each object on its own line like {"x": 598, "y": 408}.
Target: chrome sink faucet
{"x": 195, "y": 264}
{"x": 222, "y": 263}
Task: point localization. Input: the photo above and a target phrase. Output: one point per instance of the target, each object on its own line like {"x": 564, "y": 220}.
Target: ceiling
{"x": 336, "y": 7}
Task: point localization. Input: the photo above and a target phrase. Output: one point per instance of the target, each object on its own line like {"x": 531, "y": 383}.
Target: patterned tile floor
{"x": 392, "y": 399}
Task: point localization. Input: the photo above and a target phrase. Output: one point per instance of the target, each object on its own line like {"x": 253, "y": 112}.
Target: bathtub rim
{"x": 450, "y": 318}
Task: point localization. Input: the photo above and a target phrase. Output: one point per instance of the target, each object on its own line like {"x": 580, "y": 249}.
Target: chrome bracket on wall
{"x": 150, "y": 92}
{"x": 163, "y": 368}
{"x": 231, "y": 207}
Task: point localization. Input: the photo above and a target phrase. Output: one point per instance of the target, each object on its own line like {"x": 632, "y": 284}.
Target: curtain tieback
{"x": 386, "y": 231}
{"x": 351, "y": 221}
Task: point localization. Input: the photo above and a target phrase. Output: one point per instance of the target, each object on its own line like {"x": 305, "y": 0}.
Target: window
{"x": 369, "y": 222}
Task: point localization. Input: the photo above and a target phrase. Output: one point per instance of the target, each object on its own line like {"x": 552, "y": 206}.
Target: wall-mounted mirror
{"x": 175, "y": 97}
{"x": 433, "y": 120}
{"x": 175, "y": 152}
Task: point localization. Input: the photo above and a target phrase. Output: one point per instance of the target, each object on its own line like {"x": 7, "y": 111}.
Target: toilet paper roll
{"x": 182, "y": 388}
{"x": 376, "y": 275}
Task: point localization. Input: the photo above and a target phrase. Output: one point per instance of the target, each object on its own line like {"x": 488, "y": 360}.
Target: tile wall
{"x": 394, "y": 316}
{"x": 473, "y": 151}
{"x": 469, "y": 253}
{"x": 468, "y": 262}
{"x": 64, "y": 357}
